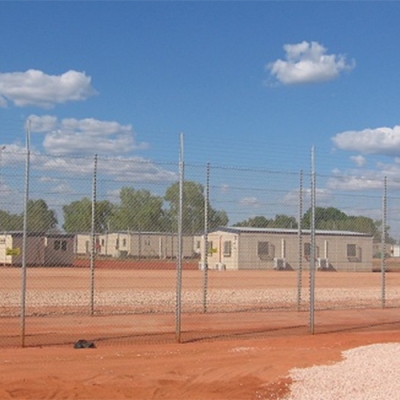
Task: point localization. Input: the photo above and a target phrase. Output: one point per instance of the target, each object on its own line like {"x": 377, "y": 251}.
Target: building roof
{"x": 243, "y": 229}
{"x": 38, "y": 234}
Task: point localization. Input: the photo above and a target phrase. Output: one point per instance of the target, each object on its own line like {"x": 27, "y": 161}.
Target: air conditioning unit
{"x": 279, "y": 263}
{"x": 323, "y": 263}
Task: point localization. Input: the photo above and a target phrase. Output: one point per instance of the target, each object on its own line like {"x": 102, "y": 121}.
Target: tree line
{"x": 140, "y": 210}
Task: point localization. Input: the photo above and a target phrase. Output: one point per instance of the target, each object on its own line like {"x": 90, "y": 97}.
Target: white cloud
{"x": 224, "y": 188}
{"x": 73, "y": 136}
{"x": 360, "y": 161}
{"x": 308, "y": 63}
{"x": 369, "y": 180}
{"x": 249, "y": 201}
{"x": 135, "y": 169}
{"x": 366, "y": 179}
{"x": 323, "y": 197}
{"x": 35, "y": 88}
{"x": 62, "y": 188}
{"x": 385, "y": 141}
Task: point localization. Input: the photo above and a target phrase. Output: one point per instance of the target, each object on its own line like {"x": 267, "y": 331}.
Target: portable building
{"x": 120, "y": 244}
{"x": 237, "y": 248}
{"x": 41, "y": 249}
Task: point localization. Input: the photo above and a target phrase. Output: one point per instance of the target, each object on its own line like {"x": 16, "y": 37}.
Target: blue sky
{"x": 251, "y": 84}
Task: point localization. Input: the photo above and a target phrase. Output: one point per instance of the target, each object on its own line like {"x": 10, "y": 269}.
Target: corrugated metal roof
{"x": 37, "y": 234}
{"x": 243, "y": 229}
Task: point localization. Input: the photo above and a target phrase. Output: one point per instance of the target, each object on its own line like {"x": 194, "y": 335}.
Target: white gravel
{"x": 366, "y": 373}
{"x": 218, "y": 299}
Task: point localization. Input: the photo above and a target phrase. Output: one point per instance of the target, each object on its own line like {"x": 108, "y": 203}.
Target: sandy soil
{"x": 225, "y": 355}
{"x": 229, "y": 369}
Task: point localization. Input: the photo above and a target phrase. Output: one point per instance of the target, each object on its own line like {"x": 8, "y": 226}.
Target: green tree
{"x": 39, "y": 217}
{"x": 280, "y": 221}
{"x": 255, "y": 222}
{"x": 139, "y": 210}
{"x": 78, "y": 216}
{"x": 284, "y": 222}
{"x": 333, "y": 219}
{"x": 325, "y": 218}
{"x": 193, "y": 209}
{"x": 10, "y": 222}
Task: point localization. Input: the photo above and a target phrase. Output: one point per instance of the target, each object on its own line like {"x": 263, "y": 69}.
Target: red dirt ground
{"x": 231, "y": 369}
{"x": 150, "y": 264}
{"x": 233, "y": 366}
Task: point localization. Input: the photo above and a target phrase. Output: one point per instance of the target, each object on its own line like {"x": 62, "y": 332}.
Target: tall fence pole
{"x": 93, "y": 235}
{"x": 205, "y": 265}
{"x": 24, "y": 237}
{"x": 178, "y": 311}
{"x": 383, "y": 251}
{"x": 312, "y": 245}
{"x": 300, "y": 239}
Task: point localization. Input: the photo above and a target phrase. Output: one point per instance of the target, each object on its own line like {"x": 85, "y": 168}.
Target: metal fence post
{"x": 205, "y": 266}
{"x": 383, "y": 241}
{"x": 179, "y": 260}
{"x": 312, "y": 245}
{"x": 300, "y": 238}
{"x": 93, "y": 235}
{"x": 25, "y": 233}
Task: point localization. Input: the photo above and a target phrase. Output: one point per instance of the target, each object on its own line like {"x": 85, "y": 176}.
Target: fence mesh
{"x": 104, "y": 246}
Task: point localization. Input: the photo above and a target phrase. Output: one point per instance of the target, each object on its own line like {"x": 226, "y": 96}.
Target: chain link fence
{"x": 128, "y": 249}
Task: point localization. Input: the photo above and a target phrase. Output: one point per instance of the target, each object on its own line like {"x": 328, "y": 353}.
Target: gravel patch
{"x": 217, "y": 299}
{"x": 366, "y": 373}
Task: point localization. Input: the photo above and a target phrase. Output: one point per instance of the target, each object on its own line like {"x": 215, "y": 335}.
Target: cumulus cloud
{"x": 82, "y": 136}
{"x": 324, "y": 197}
{"x": 35, "y": 88}
{"x": 249, "y": 201}
{"x": 360, "y": 161}
{"x": 307, "y": 62}
{"x": 366, "y": 179}
{"x": 59, "y": 170}
{"x": 384, "y": 141}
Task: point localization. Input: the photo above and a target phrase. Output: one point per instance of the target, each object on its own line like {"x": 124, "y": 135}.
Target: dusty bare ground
{"x": 228, "y": 355}
{"x": 229, "y": 369}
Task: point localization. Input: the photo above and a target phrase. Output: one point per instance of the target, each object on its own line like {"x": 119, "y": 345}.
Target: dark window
{"x": 351, "y": 250}
{"x": 227, "y": 248}
{"x": 57, "y": 245}
{"x": 307, "y": 250}
{"x": 64, "y": 245}
{"x": 263, "y": 250}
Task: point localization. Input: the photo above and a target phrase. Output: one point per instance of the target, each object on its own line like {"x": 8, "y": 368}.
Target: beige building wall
{"x": 248, "y": 250}
{"x": 82, "y": 243}
{"x": 143, "y": 245}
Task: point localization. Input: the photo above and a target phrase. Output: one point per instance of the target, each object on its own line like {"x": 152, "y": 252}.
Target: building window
{"x": 64, "y": 245}
{"x": 307, "y": 250}
{"x": 353, "y": 253}
{"x": 57, "y": 245}
{"x": 124, "y": 242}
{"x": 351, "y": 250}
{"x": 102, "y": 242}
{"x": 227, "y": 248}
{"x": 264, "y": 251}
{"x": 116, "y": 244}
